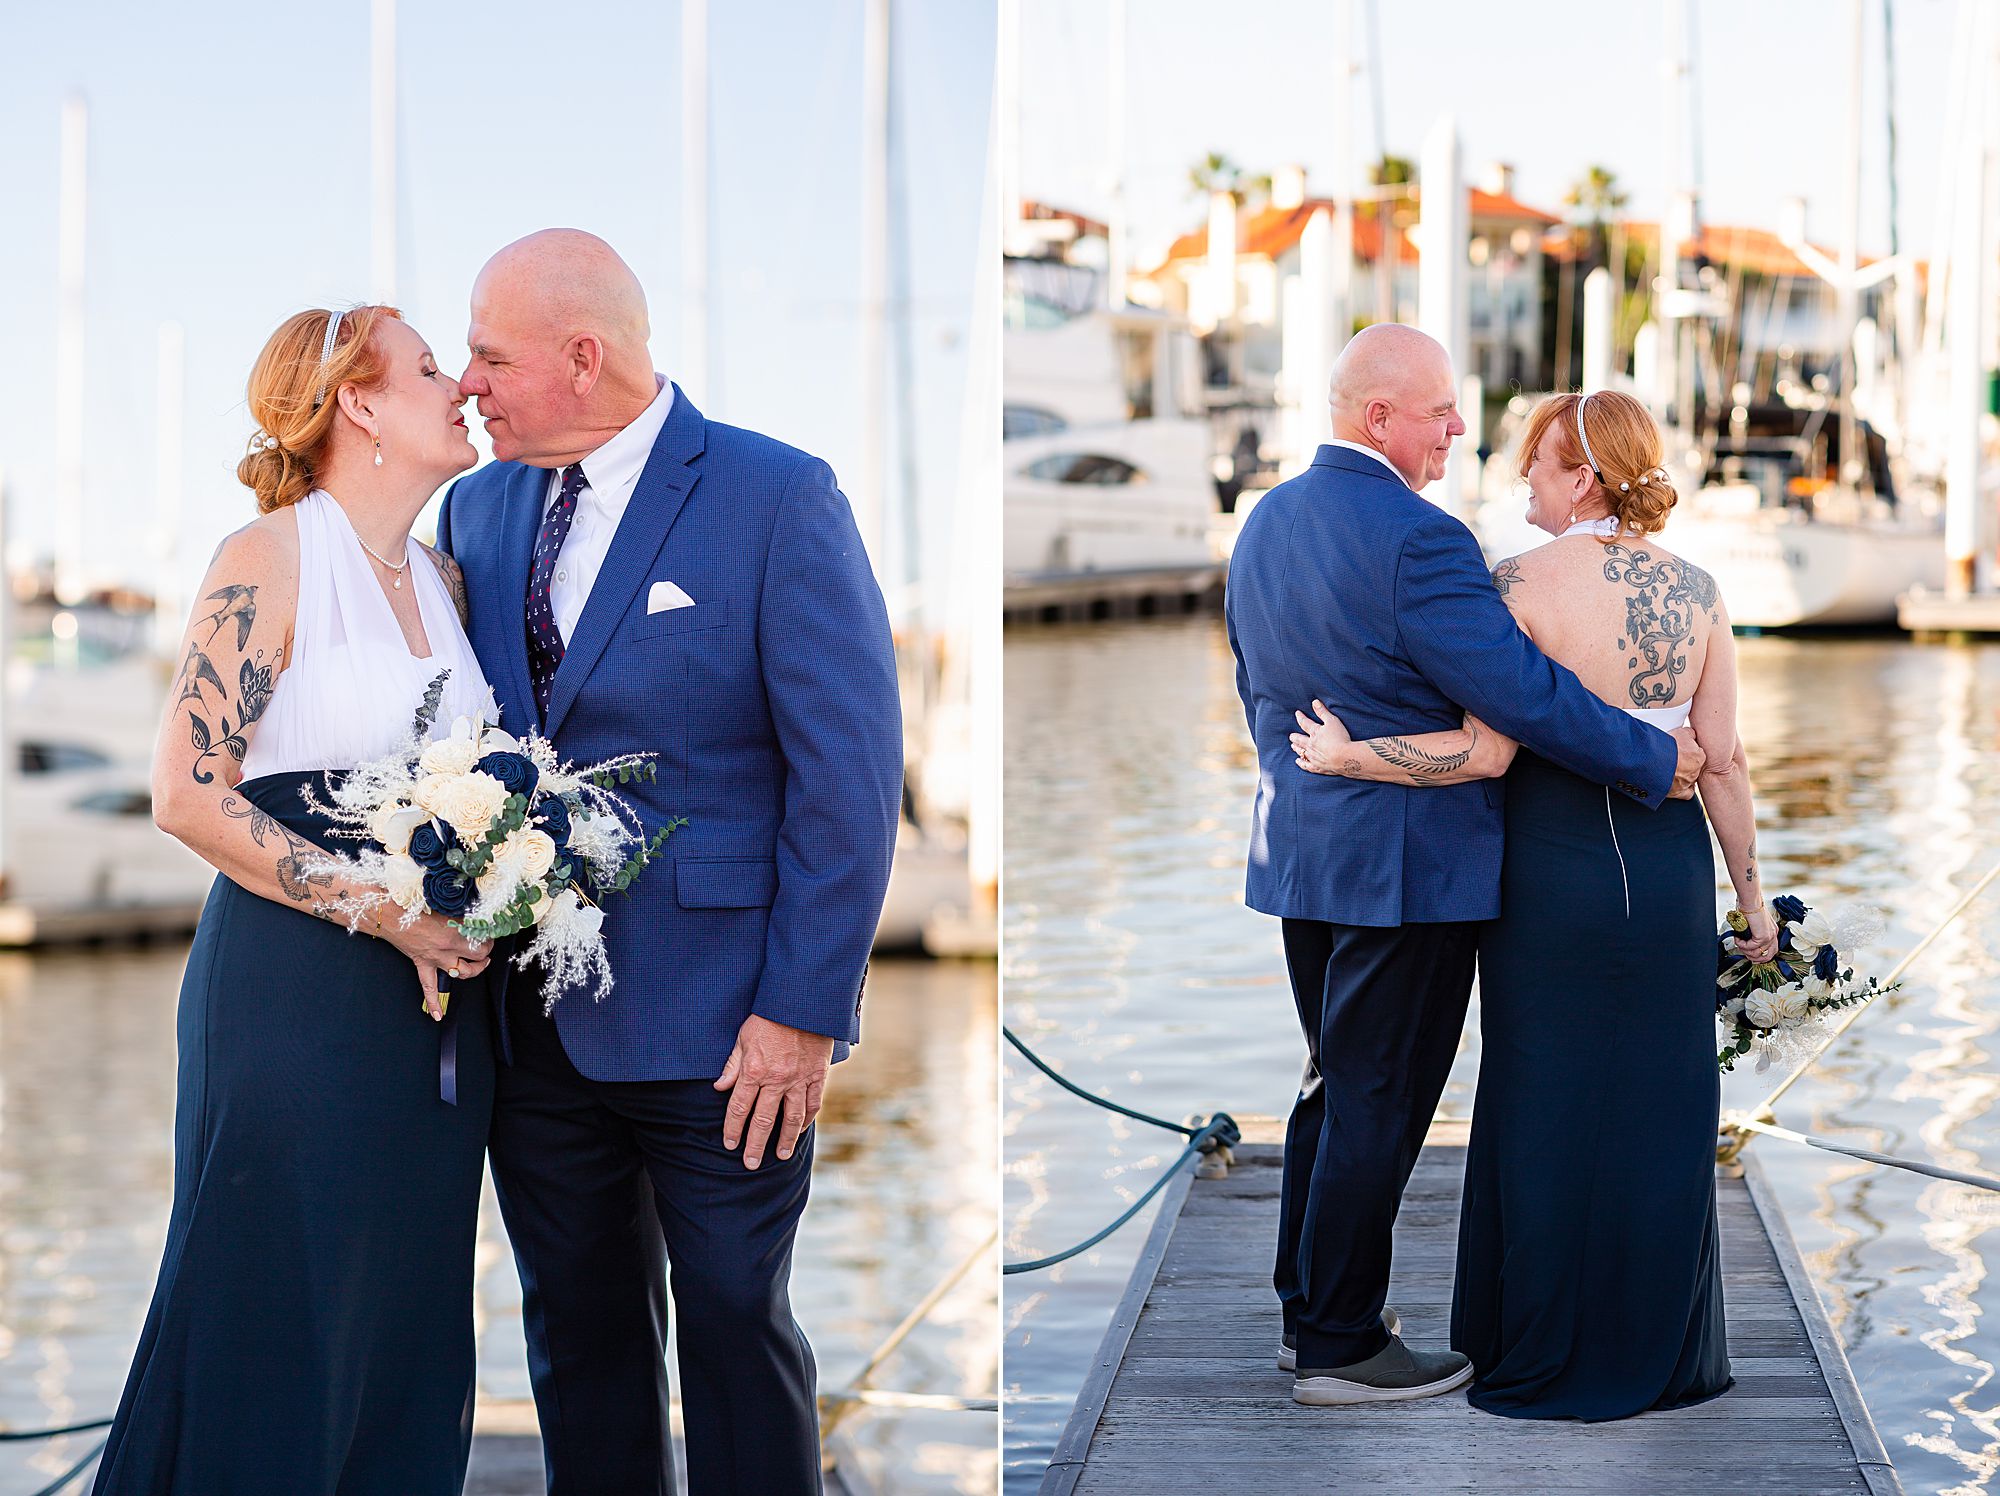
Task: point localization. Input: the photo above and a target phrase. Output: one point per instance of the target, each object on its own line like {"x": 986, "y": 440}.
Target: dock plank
{"x": 1186, "y": 1394}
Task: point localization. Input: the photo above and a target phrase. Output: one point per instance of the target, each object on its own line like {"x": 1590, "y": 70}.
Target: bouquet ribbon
{"x": 447, "y": 1050}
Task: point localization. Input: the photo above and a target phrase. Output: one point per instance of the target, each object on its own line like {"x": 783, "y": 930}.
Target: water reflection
{"x": 1133, "y": 963}
{"x": 903, "y": 1188}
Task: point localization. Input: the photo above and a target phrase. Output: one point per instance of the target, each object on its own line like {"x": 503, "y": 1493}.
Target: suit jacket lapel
{"x": 656, "y": 502}
{"x": 521, "y": 519}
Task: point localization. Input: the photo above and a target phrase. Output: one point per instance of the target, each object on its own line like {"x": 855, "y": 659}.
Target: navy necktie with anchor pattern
{"x": 545, "y": 640}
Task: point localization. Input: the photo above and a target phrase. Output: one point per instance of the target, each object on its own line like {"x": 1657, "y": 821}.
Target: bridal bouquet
{"x": 498, "y": 835}
{"x": 1774, "y": 1005}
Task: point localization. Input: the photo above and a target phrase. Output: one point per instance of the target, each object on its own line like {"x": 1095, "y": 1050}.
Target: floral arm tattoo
{"x": 296, "y": 876}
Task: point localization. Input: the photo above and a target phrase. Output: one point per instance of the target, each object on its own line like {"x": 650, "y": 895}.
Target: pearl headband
{"x": 1580, "y": 436}
{"x": 334, "y": 319}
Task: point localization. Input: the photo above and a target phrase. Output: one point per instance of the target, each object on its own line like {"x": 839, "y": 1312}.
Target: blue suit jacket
{"x": 772, "y": 705}
{"x": 1348, "y": 587}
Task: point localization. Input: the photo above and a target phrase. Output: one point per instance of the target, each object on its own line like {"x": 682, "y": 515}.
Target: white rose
{"x": 470, "y": 802}
{"x": 431, "y": 789}
{"x": 392, "y": 826}
{"x": 449, "y": 756}
{"x": 405, "y": 882}
{"x": 1792, "y": 1005}
{"x": 535, "y": 853}
{"x": 1732, "y": 1007}
{"x": 1762, "y": 1009}
{"x": 1817, "y": 990}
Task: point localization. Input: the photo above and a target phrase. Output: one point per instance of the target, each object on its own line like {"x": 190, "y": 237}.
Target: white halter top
{"x": 352, "y": 686}
{"x": 1666, "y": 718}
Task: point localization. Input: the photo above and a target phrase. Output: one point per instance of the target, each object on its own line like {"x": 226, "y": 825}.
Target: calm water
{"x": 1133, "y": 965}
{"x": 86, "y": 1177}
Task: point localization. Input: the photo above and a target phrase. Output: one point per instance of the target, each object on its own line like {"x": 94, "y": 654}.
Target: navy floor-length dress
{"x": 311, "y": 1333}
{"x": 1589, "y": 1283}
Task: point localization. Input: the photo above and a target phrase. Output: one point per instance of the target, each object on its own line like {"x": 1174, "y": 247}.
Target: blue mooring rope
{"x": 1220, "y": 1131}
{"x": 61, "y": 1482}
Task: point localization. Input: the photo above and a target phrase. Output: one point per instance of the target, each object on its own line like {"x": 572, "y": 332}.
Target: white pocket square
{"x": 665, "y": 595}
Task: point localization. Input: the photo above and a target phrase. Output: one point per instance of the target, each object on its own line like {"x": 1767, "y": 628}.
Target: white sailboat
{"x": 1844, "y": 560}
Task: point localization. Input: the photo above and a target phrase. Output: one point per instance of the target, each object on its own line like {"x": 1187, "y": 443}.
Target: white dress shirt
{"x": 1332, "y": 441}
{"x": 610, "y": 474}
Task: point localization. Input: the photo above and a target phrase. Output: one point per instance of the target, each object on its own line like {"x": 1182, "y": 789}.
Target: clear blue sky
{"x": 229, "y": 158}
{"x": 1553, "y": 86}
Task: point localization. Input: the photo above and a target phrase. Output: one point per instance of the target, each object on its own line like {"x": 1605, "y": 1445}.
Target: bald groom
{"x": 642, "y": 579}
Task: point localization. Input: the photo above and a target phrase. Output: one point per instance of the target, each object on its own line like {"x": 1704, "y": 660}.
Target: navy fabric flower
{"x": 1826, "y": 965}
{"x": 1784, "y": 967}
{"x": 515, "y": 771}
{"x": 429, "y": 843}
{"x": 1788, "y": 908}
{"x": 447, "y": 891}
{"x": 552, "y": 815}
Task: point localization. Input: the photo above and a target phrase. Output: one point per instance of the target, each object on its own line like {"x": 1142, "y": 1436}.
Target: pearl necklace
{"x": 396, "y": 567}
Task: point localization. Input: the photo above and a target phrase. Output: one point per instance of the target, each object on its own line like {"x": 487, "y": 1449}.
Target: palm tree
{"x": 1593, "y": 197}
{"x": 1215, "y": 172}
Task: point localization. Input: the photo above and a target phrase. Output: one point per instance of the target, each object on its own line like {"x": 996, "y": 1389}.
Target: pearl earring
{"x": 378, "y": 451}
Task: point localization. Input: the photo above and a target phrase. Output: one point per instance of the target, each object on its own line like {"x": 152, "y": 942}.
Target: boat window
{"x": 117, "y": 803}
{"x": 1029, "y": 420}
{"x": 1084, "y": 467}
{"x": 55, "y": 758}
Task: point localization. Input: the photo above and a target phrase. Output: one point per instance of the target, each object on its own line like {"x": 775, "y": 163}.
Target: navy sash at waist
{"x": 280, "y": 796}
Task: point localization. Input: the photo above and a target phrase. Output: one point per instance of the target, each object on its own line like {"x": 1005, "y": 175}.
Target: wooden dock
{"x": 1943, "y": 615}
{"x": 1091, "y": 596}
{"x": 507, "y": 1454}
{"x": 1185, "y": 1394}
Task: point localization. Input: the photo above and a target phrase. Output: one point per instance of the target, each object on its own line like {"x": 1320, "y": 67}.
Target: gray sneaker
{"x": 1288, "y": 1345}
{"x": 1393, "y": 1373}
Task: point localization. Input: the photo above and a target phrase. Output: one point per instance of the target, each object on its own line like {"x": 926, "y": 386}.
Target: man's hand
{"x": 1689, "y": 766}
{"x": 772, "y": 1066}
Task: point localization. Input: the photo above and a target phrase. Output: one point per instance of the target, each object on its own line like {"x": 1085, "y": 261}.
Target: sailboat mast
{"x": 382, "y": 134}
{"x": 869, "y": 505}
{"x": 1114, "y": 150}
{"x": 171, "y": 403}
{"x": 693, "y": 361}
{"x": 1964, "y": 338}
{"x": 906, "y": 531}
{"x": 1341, "y": 188}
{"x": 1847, "y": 299}
{"x": 69, "y": 352}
